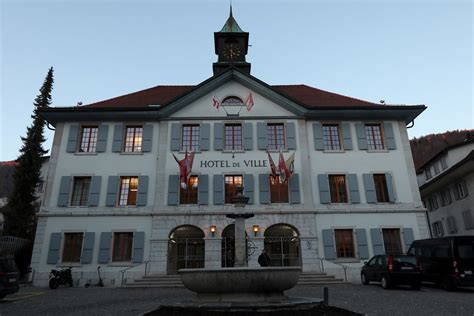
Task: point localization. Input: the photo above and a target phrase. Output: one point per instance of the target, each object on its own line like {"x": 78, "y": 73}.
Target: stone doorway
{"x": 185, "y": 249}
{"x": 282, "y": 244}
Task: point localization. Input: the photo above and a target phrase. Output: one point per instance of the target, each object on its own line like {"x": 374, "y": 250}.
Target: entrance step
{"x": 318, "y": 279}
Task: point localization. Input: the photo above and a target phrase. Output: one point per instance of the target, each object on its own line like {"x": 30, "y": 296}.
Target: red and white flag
{"x": 273, "y": 167}
{"x": 249, "y": 102}
{"x": 216, "y": 102}
{"x": 185, "y": 168}
{"x": 284, "y": 172}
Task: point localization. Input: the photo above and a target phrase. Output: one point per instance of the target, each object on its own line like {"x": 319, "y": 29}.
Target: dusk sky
{"x": 403, "y": 52}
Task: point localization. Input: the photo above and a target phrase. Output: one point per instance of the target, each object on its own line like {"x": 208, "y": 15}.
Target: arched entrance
{"x": 228, "y": 246}
{"x": 282, "y": 244}
{"x": 185, "y": 248}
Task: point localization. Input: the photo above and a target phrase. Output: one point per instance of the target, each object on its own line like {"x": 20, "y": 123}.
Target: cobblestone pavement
{"x": 371, "y": 300}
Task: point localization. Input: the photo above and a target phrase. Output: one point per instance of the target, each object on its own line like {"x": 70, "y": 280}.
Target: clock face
{"x": 232, "y": 51}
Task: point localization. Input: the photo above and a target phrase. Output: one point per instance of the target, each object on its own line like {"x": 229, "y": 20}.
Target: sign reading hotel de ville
{"x": 250, "y": 163}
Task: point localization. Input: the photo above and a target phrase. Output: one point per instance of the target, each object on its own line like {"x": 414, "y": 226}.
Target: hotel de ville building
{"x": 114, "y": 196}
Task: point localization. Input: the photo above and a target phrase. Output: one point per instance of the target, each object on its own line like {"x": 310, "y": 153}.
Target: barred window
{"x": 374, "y": 137}
{"x": 190, "y": 137}
{"x": 122, "y": 249}
{"x": 338, "y": 188}
{"x": 461, "y": 190}
{"x": 381, "y": 189}
{"x": 128, "y": 190}
{"x": 88, "y": 142}
{"x": 80, "y": 191}
{"x": 233, "y": 137}
{"x": 438, "y": 229}
{"x": 332, "y": 138}
{"x": 446, "y": 197}
{"x": 72, "y": 247}
{"x": 231, "y": 182}
{"x": 278, "y": 190}
{"x": 276, "y": 136}
{"x": 344, "y": 243}
{"x": 189, "y": 194}
{"x": 133, "y": 138}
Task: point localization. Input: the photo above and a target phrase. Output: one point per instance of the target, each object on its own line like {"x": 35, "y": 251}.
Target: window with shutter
{"x": 338, "y": 188}
{"x": 278, "y": 190}
{"x": 190, "y": 137}
{"x": 133, "y": 139}
{"x": 381, "y": 189}
{"x": 80, "y": 191}
{"x": 276, "y": 138}
{"x": 231, "y": 182}
{"x": 391, "y": 241}
{"x": 468, "y": 220}
{"x": 233, "y": 137}
{"x": 189, "y": 194}
{"x": 72, "y": 247}
{"x": 88, "y": 142}
{"x": 122, "y": 247}
{"x": 374, "y": 137}
{"x": 344, "y": 243}
{"x": 332, "y": 137}
{"x": 128, "y": 190}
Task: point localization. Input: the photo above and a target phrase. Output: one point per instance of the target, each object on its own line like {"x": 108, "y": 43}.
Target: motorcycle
{"x": 60, "y": 277}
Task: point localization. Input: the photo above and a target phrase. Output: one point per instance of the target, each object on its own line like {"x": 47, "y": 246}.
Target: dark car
{"x": 392, "y": 270}
{"x": 8, "y": 277}
{"x": 447, "y": 261}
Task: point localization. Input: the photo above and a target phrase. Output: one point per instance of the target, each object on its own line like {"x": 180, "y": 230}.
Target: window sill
{"x": 85, "y": 153}
{"x": 240, "y": 151}
{"x": 121, "y": 264}
{"x": 69, "y": 264}
{"x": 131, "y": 153}
{"x": 347, "y": 260}
{"x": 285, "y": 150}
{"x": 125, "y": 206}
{"x": 374, "y": 151}
{"x": 328, "y": 151}
{"x": 195, "y": 151}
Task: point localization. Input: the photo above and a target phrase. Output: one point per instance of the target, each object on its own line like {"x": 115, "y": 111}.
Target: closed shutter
{"x": 175, "y": 141}
{"x": 112, "y": 188}
{"x": 147, "y": 141}
{"x": 290, "y": 136}
{"x": 72, "y": 139}
{"x": 361, "y": 136}
{"x": 262, "y": 136}
{"x": 142, "y": 190}
{"x": 318, "y": 136}
{"x": 249, "y": 188}
{"x": 264, "y": 188}
{"x": 248, "y": 136}
{"x": 218, "y": 187}
{"x": 353, "y": 188}
{"x": 88, "y": 247}
{"x": 369, "y": 188}
{"x": 64, "y": 187}
{"x": 205, "y": 136}
{"x": 104, "y": 247}
{"x": 54, "y": 246}
{"x": 203, "y": 189}
{"x": 138, "y": 245}
{"x": 218, "y": 136}
{"x": 391, "y": 191}
{"x": 294, "y": 185}
{"x": 329, "y": 246}
{"x": 118, "y": 139}
{"x": 102, "y": 138}
{"x": 362, "y": 246}
{"x": 323, "y": 184}
{"x": 408, "y": 237}
{"x": 173, "y": 187}
{"x": 346, "y": 136}
{"x": 377, "y": 241}
{"x": 94, "y": 191}
{"x": 389, "y": 136}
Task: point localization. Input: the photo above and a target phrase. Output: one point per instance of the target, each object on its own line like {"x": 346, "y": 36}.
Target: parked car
{"x": 447, "y": 261}
{"x": 8, "y": 277}
{"x": 392, "y": 270}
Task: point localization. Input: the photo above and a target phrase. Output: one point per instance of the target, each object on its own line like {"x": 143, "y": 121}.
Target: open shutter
{"x": 248, "y": 136}
{"x": 112, "y": 188}
{"x": 203, "y": 189}
{"x": 346, "y": 136}
{"x": 205, "y": 136}
{"x": 264, "y": 188}
{"x": 88, "y": 247}
{"x": 377, "y": 241}
{"x": 262, "y": 136}
{"x": 104, "y": 247}
{"x": 362, "y": 246}
{"x": 218, "y": 136}
{"x": 249, "y": 188}
{"x": 369, "y": 188}
{"x": 118, "y": 139}
{"x": 102, "y": 138}
{"x": 294, "y": 185}
{"x": 72, "y": 139}
{"x": 218, "y": 187}
{"x": 361, "y": 136}
{"x": 54, "y": 246}
{"x": 328, "y": 242}
{"x": 391, "y": 192}
{"x": 142, "y": 190}
{"x": 323, "y": 184}
{"x": 175, "y": 142}
{"x": 173, "y": 187}
{"x": 354, "y": 188}
{"x": 147, "y": 140}
{"x": 389, "y": 136}
{"x": 318, "y": 136}
{"x": 65, "y": 186}
{"x": 290, "y": 136}
{"x": 408, "y": 238}
{"x": 94, "y": 191}
{"x": 138, "y": 245}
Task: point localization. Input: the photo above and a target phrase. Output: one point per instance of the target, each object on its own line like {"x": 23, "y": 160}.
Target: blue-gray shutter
{"x": 118, "y": 139}
{"x": 328, "y": 242}
{"x": 64, "y": 187}
{"x": 361, "y": 136}
{"x": 408, "y": 237}
{"x": 102, "y": 133}
{"x": 205, "y": 136}
{"x": 218, "y": 187}
{"x": 249, "y": 188}
{"x": 377, "y": 241}
{"x": 138, "y": 245}
{"x": 94, "y": 191}
{"x": 112, "y": 188}
{"x": 294, "y": 185}
{"x": 203, "y": 189}
{"x": 264, "y": 188}
{"x": 72, "y": 139}
{"x": 362, "y": 246}
{"x": 389, "y": 136}
{"x": 218, "y": 136}
{"x": 104, "y": 247}
{"x": 323, "y": 184}
{"x": 369, "y": 188}
{"x": 391, "y": 192}
{"x": 142, "y": 190}
{"x": 175, "y": 140}
{"x": 346, "y": 136}
{"x": 54, "y": 246}
{"x": 262, "y": 136}
{"x": 88, "y": 247}
{"x": 147, "y": 140}
{"x": 173, "y": 187}
{"x": 318, "y": 136}
{"x": 248, "y": 136}
{"x": 353, "y": 188}
{"x": 290, "y": 136}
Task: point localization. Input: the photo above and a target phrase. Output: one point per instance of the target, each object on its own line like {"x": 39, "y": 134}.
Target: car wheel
{"x": 53, "y": 284}
{"x": 363, "y": 279}
{"x": 448, "y": 283}
{"x": 386, "y": 284}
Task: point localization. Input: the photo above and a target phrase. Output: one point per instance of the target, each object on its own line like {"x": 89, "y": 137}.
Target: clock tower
{"x": 231, "y": 44}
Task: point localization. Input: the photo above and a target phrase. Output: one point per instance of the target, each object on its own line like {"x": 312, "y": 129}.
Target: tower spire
{"x": 230, "y": 14}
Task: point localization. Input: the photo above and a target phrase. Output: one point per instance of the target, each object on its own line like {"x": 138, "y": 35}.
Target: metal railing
{"x": 321, "y": 260}
{"x": 146, "y": 263}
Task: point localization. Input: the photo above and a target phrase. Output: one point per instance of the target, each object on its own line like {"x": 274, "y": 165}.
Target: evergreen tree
{"x": 20, "y": 219}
